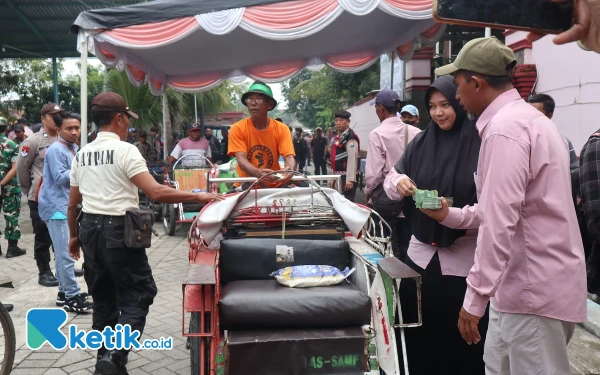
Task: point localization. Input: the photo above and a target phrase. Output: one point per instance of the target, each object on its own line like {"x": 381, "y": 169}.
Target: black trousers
{"x": 301, "y": 162}
{"x": 437, "y": 347}
{"x": 118, "y": 278}
{"x": 320, "y": 166}
{"x": 42, "y": 241}
{"x": 401, "y": 234}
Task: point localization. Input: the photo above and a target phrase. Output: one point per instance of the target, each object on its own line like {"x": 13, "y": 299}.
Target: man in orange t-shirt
{"x": 258, "y": 141}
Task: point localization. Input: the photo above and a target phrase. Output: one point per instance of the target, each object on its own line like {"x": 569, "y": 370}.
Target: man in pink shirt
{"x": 387, "y": 143}
{"x": 529, "y": 260}
{"x": 194, "y": 145}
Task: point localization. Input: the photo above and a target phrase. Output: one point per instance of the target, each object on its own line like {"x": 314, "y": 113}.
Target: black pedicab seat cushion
{"x": 249, "y": 304}
{"x": 257, "y": 258}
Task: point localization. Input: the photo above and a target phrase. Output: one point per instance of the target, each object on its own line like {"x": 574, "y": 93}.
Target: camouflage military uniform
{"x": 11, "y": 203}
{"x": 19, "y": 141}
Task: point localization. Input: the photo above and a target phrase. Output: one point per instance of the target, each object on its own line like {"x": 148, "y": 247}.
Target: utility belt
{"x": 102, "y": 219}
{"x": 137, "y": 225}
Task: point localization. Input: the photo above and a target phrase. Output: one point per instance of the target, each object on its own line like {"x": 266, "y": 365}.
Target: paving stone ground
{"x": 168, "y": 258}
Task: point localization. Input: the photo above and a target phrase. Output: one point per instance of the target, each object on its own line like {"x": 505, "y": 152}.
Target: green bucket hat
{"x": 259, "y": 87}
{"x": 3, "y": 121}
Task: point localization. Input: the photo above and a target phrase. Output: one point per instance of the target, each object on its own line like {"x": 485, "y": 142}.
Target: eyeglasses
{"x": 255, "y": 99}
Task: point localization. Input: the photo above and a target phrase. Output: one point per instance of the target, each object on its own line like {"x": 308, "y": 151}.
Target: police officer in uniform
{"x": 105, "y": 177}
{"x": 10, "y": 192}
{"x": 345, "y": 152}
{"x": 30, "y": 168}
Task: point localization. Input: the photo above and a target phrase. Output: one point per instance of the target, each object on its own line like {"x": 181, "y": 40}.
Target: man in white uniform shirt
{"x": 105, "y": 177}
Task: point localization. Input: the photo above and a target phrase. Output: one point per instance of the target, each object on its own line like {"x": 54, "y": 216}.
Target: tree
{"x": 220, "y": 98}
{"x": 282, "y": 114}
{"x": 29, "y": 85}
{"x": 144, "y": 103}
{"x": 180, "y": 106}
{"x": 9, "y": 78}
{"x": 300, "y": 105}
{"x": 313, "y": 96}
{"x": 70, "y": 88}
{"x": 26, "y": 85}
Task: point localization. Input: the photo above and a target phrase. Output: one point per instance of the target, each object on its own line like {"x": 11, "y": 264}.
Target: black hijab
{"x": 442, "y": 160}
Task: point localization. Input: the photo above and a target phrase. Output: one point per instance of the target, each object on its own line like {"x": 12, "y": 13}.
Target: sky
{"x": 70, "y": 66}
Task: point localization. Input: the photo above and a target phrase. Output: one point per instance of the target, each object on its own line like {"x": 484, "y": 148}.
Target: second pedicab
{"x": 193, "y": 173}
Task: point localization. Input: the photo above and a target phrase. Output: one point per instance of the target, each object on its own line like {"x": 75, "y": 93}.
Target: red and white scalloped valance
{"x": 269, "y": 42}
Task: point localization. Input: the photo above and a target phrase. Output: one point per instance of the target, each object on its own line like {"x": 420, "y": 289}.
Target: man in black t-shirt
{"x": 215, "y": 145}
{"x": 319, "y": 150}
{"x": 301, "y": 149}
{"x": 224, "y": 145}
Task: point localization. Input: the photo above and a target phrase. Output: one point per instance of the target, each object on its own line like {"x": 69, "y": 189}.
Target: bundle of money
{"x": 428, "y": 199}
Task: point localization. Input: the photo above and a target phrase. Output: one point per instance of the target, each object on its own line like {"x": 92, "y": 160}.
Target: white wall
{"x": 362, "y": 121}
{"x": 572, "y": 77}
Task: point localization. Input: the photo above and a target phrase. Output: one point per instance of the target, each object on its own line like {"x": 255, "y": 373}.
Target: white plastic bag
{"x": 311, "y": 276}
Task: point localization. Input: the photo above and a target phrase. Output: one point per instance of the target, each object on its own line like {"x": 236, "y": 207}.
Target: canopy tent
{"x": 192, "y": 46}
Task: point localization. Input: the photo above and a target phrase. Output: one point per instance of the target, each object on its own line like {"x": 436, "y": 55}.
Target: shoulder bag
{"x": 382, "y": 204}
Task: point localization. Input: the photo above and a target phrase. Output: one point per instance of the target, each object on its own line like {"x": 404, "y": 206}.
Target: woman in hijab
{"x": 444, "y": 158}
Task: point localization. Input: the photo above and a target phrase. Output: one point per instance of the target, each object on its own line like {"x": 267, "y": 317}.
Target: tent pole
{"x": 202, "y": 111}
{"x": 84, "y": 89}
{"x": 165, "y": 103}
{"x": 196, "y": 108}
{"x": 55, "y": 79}
{"x": 403, "y": 94}
{"x": 392, "y": 76}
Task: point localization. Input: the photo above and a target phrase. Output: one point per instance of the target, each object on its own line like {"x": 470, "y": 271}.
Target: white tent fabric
{"x": 271, "y": 42}
{"x": 222, "y": 22}
{"x": 210, "y": 221}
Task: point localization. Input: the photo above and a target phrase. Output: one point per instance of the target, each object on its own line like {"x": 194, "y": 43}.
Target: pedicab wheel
{"x": 158, "y": 214}
{"x": 194, "y": 343}
{"x": 9, "y": 341}
{"x": 169, "y": 218}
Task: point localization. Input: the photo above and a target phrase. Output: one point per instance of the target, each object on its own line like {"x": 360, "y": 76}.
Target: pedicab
{"x": 157, "y": 170}
{"x": 191, "y": 173}
{"x": 237, "y": 318}
{"x": 242, "y": 321}
{"x": 8, "y": 345}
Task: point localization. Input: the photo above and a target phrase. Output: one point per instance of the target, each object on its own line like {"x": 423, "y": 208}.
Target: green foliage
{"x": 27, "y": 83}
{"x": 69, "y": 89}
{"x": 149, "y": 107}
{"x": 235, "y": 93}
{"x": 141, "y": 101}
{"x": 282, "y": 114}
{"x": 313, "y": 96}
{"x": 220, "y": 98}
{"x": 29, "y": 86}
{"x": 9, "y": 78}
